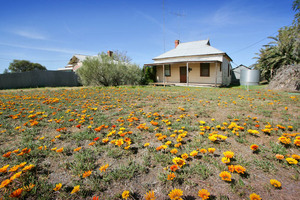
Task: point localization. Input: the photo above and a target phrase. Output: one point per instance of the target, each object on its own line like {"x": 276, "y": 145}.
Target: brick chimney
{"x": 109, "y": 53}
{"x": 176, "y": 43}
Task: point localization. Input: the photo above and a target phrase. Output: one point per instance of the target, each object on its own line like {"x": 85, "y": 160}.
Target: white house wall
{"x": 194, "y": 74}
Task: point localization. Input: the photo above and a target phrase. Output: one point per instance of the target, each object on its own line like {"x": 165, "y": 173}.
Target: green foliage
{"x": 109, "y": 71}
{"x": 283, "y": 50}
{"x": 24, "y": 66}
{"x": 148, "y": 75}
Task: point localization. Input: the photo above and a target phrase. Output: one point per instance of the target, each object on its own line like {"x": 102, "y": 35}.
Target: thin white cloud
{"x": 31, "y": 34}
{"x": 59, "y": 50}
{"x": 153, "y": 20}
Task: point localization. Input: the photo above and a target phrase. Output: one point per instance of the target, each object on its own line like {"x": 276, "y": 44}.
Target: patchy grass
{"x": 133, "y": 134}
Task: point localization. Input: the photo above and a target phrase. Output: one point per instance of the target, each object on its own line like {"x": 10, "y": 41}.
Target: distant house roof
{"x": 187, "y": 50}
{"x": 241, "y": 66}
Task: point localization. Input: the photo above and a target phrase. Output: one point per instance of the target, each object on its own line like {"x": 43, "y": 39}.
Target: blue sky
{"x": 51, "y": 31}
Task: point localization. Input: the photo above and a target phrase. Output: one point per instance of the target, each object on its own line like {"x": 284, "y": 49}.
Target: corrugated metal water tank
{"x": 249, "y": 77}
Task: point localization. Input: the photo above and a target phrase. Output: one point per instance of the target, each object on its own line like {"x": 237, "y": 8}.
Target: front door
{"x": 183, "y": 74}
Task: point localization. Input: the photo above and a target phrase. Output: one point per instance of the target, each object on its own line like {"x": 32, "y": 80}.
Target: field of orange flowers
{"x": 149, "y": 143}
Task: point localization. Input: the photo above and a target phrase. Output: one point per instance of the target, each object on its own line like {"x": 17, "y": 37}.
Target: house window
{"x": 229, "y": 72}
{"x": 204, "y": 69}
{"x": 167, "y": 70}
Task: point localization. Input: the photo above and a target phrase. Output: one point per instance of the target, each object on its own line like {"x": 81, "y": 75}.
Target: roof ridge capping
{"x": 193, "y": 48}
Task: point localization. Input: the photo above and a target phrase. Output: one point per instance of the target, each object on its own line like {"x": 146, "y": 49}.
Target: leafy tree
{"x": 148, "y": 75}
{"x": 109, "y": 71}
{"x": 283, "y": 50}
{"x": 24, "y": 66}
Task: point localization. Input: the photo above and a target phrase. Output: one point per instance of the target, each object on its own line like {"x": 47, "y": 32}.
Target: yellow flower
{"x": 226, "y": 176}
{"x": 28, "y": 167}
{"x": 75, "y": 189}
{"x": 254, "y": 196}
{"x": 22, "y": 164}
{"x": 204, "y": 194}
{"x": 14, "y": 168}
{"x": 194, "y": 153}
{"x": 225, "y": 160}
{"x": 57, "y": 187}
{"x": 125, "y": 194}
{"x": 5, "y": 183}
{"x": 86, "y": 174}
{"x": 211, "y": 150}
{"x": 119, "y": 142}
{"x": 228, "y": 154}
{"x": 292, "y": 161}
{"x": 171, "y": 176}
{"x": 4, "y": 169}
{"x": 146, "y": 144}
{"x": 284, "y": 140}
{"x": 103, "y": 168}
{"x": 16, "y": 175}
{"x": 178, "y": 161}
{"x": 29, "y": 187}
{"x": 150, "y": 195}
{"x": 175, "y": 194}
{"x": 275, "y": 183}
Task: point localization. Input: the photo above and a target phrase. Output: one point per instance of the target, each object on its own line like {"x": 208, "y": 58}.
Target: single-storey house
{"x": 77, "y": 60}
{"x": 236, "y": 74}
{"x": 193, "y": 63}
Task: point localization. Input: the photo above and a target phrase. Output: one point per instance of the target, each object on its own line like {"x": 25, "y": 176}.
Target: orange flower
{"x": 7, "y": 155}
{"x": 60, "y": 150}
{"x": 204, "y": 194}
{"x": 174, "y": 151}
{"x": 203, "y": 150}
{"x": 226, "y": 176}
{"x": 184, "y": 156}
{"x": 4, "y": 169}
{"x": 92, "y": 143}
{"x": 175, "y": 194}
{"x": 17, "y": 193}
{"x": 231, "y": 168}
{"x": 194, "y": 153}
{"x": 279, "y": 156}
{"x": 239, "y": 169}
{"x": 103, "y": 168}
{"x": 150, "y": 195}
{"x": 228, "y": 154}
{"x": 77, "y": 149}
{"x": 173, "y": 168}
{"x": 254, "y": 147}
{"x": 5, "y": 183}
{"x": 86, "y": 174}
{"x": 57, "y": 187}
{"x": 211, "y": 150}
{"x": 171, "y": 176}
{"x": 254, "y": 196}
